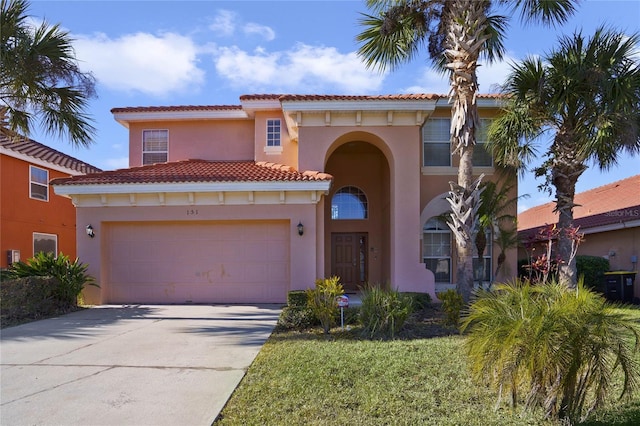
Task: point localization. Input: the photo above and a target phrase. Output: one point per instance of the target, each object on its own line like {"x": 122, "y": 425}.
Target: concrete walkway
{"x": 129, "y": 365}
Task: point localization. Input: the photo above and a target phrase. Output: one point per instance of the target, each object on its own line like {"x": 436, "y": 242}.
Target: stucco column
{"x": 408, "y": 273}
{"x": 89, "y": 252}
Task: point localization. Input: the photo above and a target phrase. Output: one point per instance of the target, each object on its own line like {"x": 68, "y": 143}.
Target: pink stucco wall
{"x": 398, "y": 144}
{"x": 289, "y": 154}
{"x": 205, "y": 140}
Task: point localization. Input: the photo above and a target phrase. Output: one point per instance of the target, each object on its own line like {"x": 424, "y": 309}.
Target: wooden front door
{"x": 349, "y": 259}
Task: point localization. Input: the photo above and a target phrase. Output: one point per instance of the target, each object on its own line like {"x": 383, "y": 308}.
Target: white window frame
{"x": 446, "y": 256}
{"x": 441, "y": 140}
{"x": 166, "y": 151}
{"x": 274, "y": 132}
{"x": 34, "y": 182}
{"x": 273, "y": 139}
{"x": 33, "y": 245}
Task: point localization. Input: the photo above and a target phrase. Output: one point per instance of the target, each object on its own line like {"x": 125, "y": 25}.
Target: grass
{"x": 306, "y": 378}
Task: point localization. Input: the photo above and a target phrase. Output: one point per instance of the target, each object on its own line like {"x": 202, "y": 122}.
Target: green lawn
{"x": 309, "y": 379}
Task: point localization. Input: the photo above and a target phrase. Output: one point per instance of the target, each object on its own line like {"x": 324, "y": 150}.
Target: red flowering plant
{"x": 545, "y": 266}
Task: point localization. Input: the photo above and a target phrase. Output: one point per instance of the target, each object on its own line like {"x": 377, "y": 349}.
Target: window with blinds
{"x": 155, "y": 146}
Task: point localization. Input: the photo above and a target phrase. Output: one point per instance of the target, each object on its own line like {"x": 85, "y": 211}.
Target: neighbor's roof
{"x": 197, "y": 171}
{"x": 612, "y": 203}
{"x": 32, "y": 151}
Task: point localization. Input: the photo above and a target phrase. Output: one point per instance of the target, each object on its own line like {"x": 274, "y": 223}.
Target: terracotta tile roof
{"x": 177, "y": 108}
{"x": 38, "y": 151}
{"x": 289, "y": 97}
{"x": 192, "y": 171}
{"x": 607, "y": 204}
{"x": 391, "y": 97}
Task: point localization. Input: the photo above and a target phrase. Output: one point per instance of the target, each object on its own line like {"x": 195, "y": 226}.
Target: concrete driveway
{"x": 129, "y": 365}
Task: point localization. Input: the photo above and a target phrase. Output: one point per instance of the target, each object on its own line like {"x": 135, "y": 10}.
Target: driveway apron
{"x": 129, "y": 365}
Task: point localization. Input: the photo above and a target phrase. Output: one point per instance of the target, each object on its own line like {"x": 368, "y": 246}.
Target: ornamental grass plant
{"x": 559, "y": 347}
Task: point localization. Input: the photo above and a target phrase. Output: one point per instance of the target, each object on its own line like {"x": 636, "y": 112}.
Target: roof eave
{"x": 148, "y": 188}
{"x": 125, "y": 118}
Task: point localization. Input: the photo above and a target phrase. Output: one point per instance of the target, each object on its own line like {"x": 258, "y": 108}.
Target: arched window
{"x": 436, "y": 249}
{"x": 349, "y": 202}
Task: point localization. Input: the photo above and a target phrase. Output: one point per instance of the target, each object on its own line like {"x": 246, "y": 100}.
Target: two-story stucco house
{"x": 32, "y": 217}
{"x": 244, "y": 203}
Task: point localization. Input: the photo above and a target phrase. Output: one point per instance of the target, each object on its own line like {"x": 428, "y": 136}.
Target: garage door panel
{"x": 278, "y": 272}
{"x": 203, "y": 262}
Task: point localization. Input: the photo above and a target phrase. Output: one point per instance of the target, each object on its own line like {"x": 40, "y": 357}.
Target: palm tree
{"x": 494, "y": 215}
{"x": 506, "y": 239}
{"x": 457, "y": 33}
{"x": 585, "y": 94}
{"x": 40, "y": 78}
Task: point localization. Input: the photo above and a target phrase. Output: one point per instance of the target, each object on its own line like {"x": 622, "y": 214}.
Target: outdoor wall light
{"x": 90, "y": 232}
{"x": 300, "y": 228}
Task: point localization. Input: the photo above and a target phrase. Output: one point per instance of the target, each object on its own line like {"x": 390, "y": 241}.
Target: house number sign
{"x": 342, "y": 302}
{"x": 192, "y": 212}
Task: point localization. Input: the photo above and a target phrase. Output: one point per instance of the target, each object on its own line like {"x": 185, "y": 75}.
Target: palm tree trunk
{"x": 564, "y": 174}
{"x": 465, "y": 37}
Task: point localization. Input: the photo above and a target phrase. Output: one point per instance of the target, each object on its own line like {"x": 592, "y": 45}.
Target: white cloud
{"x": 492, "y": 76}
{"x": 266, "y": 32}
{"x": 116, "y": 163}
{"x": 303, "y": 69}
{"x": 154, "y": 65}
{"x": 430, "y": 81}
{"x": 224, "y": 23}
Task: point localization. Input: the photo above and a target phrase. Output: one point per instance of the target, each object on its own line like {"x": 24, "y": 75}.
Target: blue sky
{"x": 146, "y": 53}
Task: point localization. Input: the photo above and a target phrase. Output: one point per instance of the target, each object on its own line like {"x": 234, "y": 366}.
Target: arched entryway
{"x": 357, "y": 215}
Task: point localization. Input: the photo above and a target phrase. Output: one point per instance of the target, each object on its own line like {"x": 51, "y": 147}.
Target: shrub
{"x": 452, "y": 304}
{"x": 592, "y": 268}
{"x": 296, "y": 318}
{"x": 384, "y": 312}
{"x": 561, "y": 346}
{"x": 322, "y": 301}
{"x": 71, "y": 276}
{"x": 29, "y": 297}
{"x": 297, "y": 299}
{"x": 419, "y": 301}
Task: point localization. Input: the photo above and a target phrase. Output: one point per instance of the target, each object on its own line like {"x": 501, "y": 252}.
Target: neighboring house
{"x": 609, "y": 218}
{"x": 244, "y": 203}
{"x": 32, "y": 217}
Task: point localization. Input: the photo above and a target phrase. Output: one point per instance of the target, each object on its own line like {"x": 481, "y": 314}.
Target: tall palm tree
{"x": 40, "y": 78}
{"x": 457, "y": 34}
{"x": 585, "y": 95}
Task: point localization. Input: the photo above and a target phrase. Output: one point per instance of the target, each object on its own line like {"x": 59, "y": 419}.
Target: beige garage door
{"x": 197, "y": 262}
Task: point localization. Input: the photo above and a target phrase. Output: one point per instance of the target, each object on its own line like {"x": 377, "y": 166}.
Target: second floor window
{"x": 38, "y": 183}
{"x": 155, "y": 146}
{"x": 482, "y": 157}
{"x": 273, "y": 132}
{"x": 436, "y": 142}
